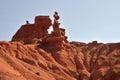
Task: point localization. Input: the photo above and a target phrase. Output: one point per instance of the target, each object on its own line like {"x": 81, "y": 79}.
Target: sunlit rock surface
{"x": 34, "y": 54}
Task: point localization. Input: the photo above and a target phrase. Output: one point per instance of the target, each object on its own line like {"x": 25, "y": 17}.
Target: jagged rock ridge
{"x": 53, "y": 57}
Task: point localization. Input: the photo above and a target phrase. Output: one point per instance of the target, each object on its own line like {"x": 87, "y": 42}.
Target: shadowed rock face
{"x": 52, "y": 57}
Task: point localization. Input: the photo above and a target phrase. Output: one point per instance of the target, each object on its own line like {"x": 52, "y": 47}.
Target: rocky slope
{"x": 80, "y": 61}
{"x": 34, "y": 54}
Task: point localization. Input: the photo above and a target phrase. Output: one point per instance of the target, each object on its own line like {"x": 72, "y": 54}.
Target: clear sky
{"x": 84, "y": 20}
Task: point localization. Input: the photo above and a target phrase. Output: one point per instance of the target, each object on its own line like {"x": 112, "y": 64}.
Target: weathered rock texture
{"x": 79, "y": 61}
{"x": 28, "y": 32}
{"x": 38, "y": 32}
{"x": 57, "y": 39}
{"x": 52, "y": 57}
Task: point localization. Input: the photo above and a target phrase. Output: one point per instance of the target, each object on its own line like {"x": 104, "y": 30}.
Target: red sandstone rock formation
{"x": 28, "y": 32}
{"x": 54, "y": 41}
{"x": 77, "y": 62}
{"x": 57, "y": 39}
{"x": 54, "y": 58}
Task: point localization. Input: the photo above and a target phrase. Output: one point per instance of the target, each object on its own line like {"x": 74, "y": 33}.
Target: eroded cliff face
{"x": 34, "y": 54}
{"x": 29, "y": 32}
{"x": 79, "y": 61}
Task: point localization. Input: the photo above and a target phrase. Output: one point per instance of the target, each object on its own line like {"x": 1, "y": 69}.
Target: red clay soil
{"x": 78, "y": 61}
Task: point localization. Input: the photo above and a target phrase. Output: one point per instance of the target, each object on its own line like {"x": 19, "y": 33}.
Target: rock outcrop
{"x": 28, "y": 32}
{"x": 55, "y": 41}
{"x": 52, "y": 57}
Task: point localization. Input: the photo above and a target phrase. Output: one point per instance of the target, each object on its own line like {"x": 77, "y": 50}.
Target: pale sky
{"x": 84, "y": 20}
